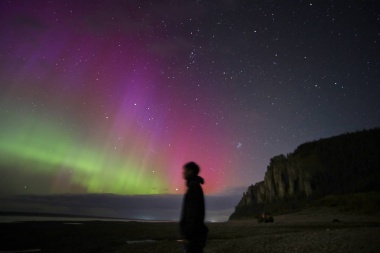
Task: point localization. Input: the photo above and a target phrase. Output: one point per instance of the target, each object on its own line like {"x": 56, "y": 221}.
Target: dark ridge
{"x": 343, "y": 165}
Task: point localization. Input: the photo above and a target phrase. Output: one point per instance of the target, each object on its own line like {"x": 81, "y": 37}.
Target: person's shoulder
{"x": 195, "y": 187}
{"x": 194, "y": 184}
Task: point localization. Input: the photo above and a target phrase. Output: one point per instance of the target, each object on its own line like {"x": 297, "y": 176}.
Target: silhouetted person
{"x": 192, "y": 225}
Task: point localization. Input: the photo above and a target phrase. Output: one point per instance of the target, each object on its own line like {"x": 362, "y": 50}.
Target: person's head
{"x": 190, "y": 169}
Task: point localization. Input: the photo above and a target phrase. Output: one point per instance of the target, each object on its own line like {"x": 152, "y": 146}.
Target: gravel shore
{"x": 323, "y": 240}
{"x": 302, "y": 232}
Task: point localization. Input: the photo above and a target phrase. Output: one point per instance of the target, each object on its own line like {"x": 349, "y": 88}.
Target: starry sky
{"x": 113, "y": 97}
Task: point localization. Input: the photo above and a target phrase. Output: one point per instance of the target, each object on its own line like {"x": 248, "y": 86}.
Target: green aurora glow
{"x": 36, "y": 145}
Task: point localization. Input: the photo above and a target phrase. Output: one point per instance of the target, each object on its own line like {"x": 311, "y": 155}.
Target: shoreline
{"x": 6, "y": 217}
{"x": 16, "y": 219}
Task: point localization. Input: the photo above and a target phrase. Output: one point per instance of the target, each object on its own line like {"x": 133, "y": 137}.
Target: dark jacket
{"x": 192, "y": 225}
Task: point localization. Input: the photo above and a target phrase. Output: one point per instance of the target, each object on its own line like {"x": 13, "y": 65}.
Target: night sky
{"x": 113, "y": 97}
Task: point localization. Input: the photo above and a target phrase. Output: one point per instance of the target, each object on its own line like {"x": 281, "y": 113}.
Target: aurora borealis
{"x": 96, "y": 119}
{"x": 115, "y": 96}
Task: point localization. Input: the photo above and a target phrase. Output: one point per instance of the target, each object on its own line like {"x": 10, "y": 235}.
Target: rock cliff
{"x": 347, "y": 163}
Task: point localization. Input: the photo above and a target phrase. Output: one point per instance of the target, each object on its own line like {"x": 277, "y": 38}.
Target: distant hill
{"x": 343, "y": 165}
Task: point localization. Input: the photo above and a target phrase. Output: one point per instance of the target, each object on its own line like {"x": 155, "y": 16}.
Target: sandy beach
{"x": 300, "y": 232}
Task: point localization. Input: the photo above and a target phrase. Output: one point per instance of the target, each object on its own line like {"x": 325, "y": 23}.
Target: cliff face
{"x": 343, "y": 164}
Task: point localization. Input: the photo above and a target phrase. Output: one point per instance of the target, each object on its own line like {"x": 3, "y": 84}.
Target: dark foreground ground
{"x": 290, "y": 233}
